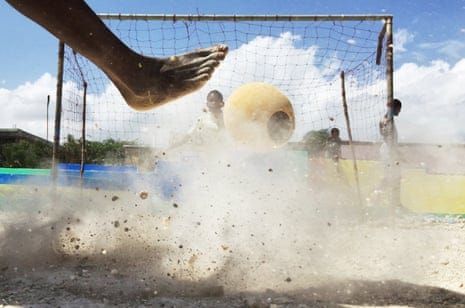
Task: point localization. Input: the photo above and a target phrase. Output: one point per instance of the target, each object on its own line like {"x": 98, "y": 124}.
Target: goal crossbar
{"x": 175, "y": 17}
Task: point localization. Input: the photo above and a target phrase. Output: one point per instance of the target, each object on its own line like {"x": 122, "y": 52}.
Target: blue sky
{"x": 435, "y": 29}
{"x": 429, "y": 55}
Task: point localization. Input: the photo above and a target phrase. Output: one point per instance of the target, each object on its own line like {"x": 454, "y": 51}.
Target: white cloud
{"x": 26, "y": 106}
{"x": 401, "y": 38}
{"x": 433, "y": 97}
{"x": 452, "y": 49}
{"x": 351, "y": 42}
{"x": 433, "y": 102}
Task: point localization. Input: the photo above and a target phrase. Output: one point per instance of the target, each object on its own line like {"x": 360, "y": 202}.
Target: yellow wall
{"x": 420, "y": 192}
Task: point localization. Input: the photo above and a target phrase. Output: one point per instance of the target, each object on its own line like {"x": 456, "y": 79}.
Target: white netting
{"x": 302, "y": 58}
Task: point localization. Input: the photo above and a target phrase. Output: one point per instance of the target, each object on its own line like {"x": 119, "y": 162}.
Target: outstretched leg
{"x": 145, "y": 82}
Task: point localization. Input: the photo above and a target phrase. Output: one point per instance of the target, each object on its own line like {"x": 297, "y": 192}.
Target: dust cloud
{"x": 244, "y": 229}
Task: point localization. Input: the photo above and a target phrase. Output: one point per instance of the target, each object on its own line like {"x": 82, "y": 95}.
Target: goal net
{"x": 302, "y": 56}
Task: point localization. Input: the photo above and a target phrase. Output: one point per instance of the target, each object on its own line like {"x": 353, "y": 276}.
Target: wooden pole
{"x": 83, "y": 144}
{"x": 389, "y": 62}
{"x": 395, "y": 184}
{"x": 349, "y": 132}
{"x": 56, "y": 136}
{"x": 379, "y": 50}
{"x": 46, "y": 125}
{"x": 83, "y": 130}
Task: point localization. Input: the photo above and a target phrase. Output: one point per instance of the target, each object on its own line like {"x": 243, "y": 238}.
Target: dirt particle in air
{"x": 143, "y": 195}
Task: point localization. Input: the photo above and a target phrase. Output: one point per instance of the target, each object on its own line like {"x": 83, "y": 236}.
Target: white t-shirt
{"x": 388, "y": 130}
{"x": 207, "y": 130}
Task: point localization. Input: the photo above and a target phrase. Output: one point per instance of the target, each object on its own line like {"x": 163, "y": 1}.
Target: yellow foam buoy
{"x": 259, "y": 116}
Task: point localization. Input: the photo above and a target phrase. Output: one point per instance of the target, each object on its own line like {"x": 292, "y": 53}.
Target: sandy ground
{"x": 72, "y": 247}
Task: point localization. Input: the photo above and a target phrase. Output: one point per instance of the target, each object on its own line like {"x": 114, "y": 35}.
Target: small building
{"x": 12, "y": 135}
{"x": 20, "y": 149}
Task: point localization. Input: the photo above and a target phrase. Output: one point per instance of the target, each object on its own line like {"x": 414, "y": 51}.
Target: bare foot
{"x": 156, "y": 81}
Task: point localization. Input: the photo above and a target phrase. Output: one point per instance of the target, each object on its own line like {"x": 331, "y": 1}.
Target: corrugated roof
{"x": 12, "y": 134}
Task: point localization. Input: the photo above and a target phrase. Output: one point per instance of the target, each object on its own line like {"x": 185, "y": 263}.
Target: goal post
{"x": 301, "y": 55}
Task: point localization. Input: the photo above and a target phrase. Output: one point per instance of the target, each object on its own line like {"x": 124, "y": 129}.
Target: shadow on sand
{"x": 34, "y": 273}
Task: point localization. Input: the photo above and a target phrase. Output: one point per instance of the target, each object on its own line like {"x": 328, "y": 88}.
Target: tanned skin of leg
{"x": 145, "y": 82}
